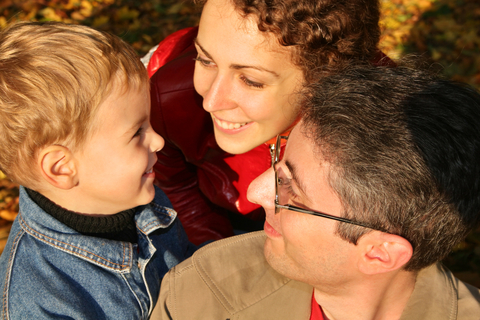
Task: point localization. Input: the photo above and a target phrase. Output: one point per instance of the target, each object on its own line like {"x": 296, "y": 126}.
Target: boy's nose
{"x": 157, "y": 143}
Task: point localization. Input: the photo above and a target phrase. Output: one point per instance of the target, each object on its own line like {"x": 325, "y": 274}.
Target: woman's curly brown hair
{"x": 324, "y": 34}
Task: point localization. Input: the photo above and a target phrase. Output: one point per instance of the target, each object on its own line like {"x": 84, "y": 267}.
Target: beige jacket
{"x": 230, "y": 279}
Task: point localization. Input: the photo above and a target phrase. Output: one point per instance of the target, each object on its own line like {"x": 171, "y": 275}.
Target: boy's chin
{"x": 149, "y": 195}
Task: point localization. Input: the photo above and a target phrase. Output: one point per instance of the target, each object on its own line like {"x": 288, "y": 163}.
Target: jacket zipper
{"x": 272, "y": 153}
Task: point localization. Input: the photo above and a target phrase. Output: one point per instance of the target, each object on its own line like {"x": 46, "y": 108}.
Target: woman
{"x": 223, "y": 92}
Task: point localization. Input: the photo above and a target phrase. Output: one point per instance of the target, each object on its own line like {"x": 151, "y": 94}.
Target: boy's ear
{"x": 57, "y": 167}
{"x": 383, "y": 252}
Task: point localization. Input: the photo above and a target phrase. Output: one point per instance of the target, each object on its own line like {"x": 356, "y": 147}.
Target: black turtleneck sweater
{"x": 120, "y": 226}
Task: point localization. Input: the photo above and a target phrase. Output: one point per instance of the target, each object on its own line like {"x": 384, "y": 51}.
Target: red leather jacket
{"x": 203, "y": 182}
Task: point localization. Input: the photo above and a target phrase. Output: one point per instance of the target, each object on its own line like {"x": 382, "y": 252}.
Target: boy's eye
{"x": 138, "y": 133}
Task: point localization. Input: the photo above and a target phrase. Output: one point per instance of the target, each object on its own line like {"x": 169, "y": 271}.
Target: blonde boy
{"x": 93, "y": 237}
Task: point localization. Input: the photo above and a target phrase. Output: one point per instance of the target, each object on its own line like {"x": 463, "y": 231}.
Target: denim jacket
{"x": 50, "y": 271}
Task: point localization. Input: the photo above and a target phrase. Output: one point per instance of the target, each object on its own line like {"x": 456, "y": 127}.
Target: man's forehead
{"x": 299, "y": 159}
{"x": 296, "y": 178}
{"x": 306, "y": 165}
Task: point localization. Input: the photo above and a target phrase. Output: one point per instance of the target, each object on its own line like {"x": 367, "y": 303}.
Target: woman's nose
{"x": 219, "y": 95}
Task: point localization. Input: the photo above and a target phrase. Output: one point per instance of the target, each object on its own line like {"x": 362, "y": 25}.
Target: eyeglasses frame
{"x": 279, "y": 206}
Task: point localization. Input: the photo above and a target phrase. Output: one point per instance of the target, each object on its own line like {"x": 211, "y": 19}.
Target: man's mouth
{"x": 271, "y": 231}
{"x": 228, "y": 125}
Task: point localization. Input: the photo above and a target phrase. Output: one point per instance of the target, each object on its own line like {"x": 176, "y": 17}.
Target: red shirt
{"x": 316, "y": 313}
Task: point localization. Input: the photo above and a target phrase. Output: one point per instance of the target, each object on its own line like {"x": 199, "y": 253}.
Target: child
{"x": 93, "y": 237}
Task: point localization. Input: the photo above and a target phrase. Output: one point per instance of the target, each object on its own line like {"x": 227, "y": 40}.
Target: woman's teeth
{"x": 229, "y": 125}
{"x": 149, "y": 171}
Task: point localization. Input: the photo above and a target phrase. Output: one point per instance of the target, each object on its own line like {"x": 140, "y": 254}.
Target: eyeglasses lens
{"x": 281, "y": 196}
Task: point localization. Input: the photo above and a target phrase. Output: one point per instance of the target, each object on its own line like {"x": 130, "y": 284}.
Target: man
{"x": 379, "y": 180}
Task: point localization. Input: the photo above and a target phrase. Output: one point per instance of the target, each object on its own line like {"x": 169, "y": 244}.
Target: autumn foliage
{"x": 446, "y": 31}
{"x": 141, "y": 23}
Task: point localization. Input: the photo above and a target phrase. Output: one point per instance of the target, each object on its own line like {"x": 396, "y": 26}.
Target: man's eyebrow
{"x": 291, "y": 167}
{"x": 237, "y": 66}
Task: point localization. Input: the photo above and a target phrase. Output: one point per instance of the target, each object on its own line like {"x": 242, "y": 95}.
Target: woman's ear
{"x": 383, "y": 252}
{"x": 57, "y": 167}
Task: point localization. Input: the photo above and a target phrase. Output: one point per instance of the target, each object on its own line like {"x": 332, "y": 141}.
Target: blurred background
{"x": 447, "y": 32}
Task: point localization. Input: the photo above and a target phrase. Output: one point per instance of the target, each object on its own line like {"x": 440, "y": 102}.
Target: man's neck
{"x": 378, "y": 297}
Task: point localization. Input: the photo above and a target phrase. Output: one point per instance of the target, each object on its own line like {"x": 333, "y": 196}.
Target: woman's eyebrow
{"x": 205, "y": 52}
{"x": 239, "y": 66}
{"x": 235, "y": 65}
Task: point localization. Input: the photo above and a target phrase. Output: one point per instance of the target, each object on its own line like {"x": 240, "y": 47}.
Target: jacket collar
{"x": 244, "y": 277}
{"x": 113, "y": 255}
{"x": 434, "y": 296}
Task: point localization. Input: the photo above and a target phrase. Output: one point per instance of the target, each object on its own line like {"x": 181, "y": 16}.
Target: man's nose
{"x": 262, "y": 190}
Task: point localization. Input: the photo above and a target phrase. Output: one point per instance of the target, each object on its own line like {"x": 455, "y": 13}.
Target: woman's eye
{"x": 204, "y": 62}
{"x": 251, "y": 83}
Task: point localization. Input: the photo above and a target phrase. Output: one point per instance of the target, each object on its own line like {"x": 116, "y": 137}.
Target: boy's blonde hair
{"x": 53, "y": 77}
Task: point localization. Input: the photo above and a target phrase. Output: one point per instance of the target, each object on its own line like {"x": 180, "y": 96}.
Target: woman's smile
{"x": 227, "y": 125}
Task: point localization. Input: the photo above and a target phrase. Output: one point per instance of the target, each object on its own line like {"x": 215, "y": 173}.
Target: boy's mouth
{"x": 149, "y": 171}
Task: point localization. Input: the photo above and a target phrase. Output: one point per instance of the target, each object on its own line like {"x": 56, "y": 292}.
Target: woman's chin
{"x": 238, "y": 142}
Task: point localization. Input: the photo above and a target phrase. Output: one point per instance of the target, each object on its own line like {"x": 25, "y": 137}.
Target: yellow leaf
{"x": 446, "y": 24}
{"x": 71, "y": 4}
{"x": 100, "y": 21}
{"x": 50, "y": 14}
{"x": 126, "y": 14}
{"x": 86, "y": 8}
{"x": 425, "y": 5}
{"x": 135, "y": 25}
{"x": 436, "y": 55}
{"x": 147, "y": 38}
{"x": 8, "y": 215}
{"x": 175, "y": 8}
{"x": 77, "y": 16}
{"x": 391, "y": 23}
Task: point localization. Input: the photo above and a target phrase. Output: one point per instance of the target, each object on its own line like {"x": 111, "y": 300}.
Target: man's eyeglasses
{"x": 282, "y": 192}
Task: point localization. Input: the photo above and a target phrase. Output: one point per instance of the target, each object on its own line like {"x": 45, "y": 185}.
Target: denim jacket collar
{"x": 114, "y": 255}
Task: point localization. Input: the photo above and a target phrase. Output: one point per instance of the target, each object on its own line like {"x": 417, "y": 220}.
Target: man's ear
{"x": 57, "y": 167}
{"x": 383, "y": 252}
